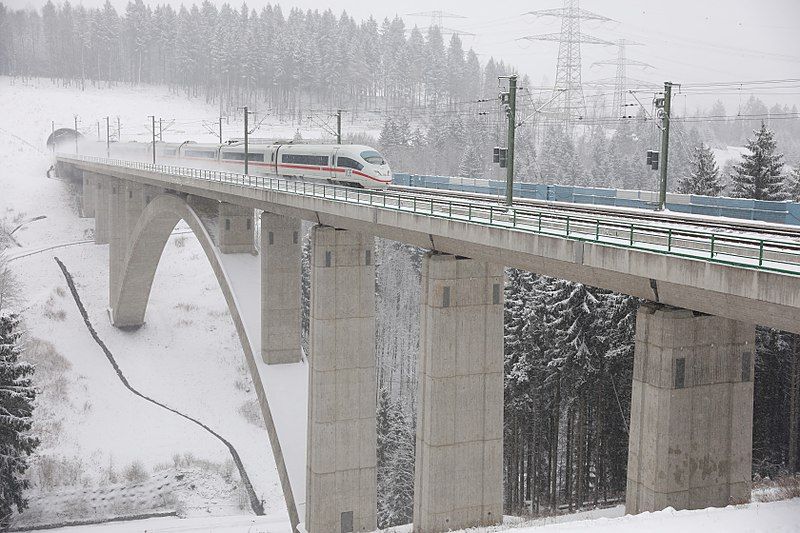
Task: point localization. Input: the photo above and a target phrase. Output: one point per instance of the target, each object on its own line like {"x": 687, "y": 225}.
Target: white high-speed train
{"x": 345, "y": 164}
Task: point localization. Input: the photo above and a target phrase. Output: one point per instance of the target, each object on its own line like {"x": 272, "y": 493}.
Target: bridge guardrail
{"x": 728, "y": 249}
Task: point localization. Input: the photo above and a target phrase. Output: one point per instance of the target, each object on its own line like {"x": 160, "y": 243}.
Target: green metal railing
{"x": 771, "y": 255}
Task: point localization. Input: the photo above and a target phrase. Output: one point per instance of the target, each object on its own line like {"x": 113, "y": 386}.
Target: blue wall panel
{"x": 780, "y": 212}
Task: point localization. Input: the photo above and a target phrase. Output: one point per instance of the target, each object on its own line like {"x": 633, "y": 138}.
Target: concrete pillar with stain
{"x": 88, "y": 195}
{"x": 235, "y": 229}
{"x": 690, "y": 443}
{"x": 459, "y": 451}
{"x": 341, "y": 476}
{"x": 280, "y": 289}
{"x": 118, "y": 235}
{"x": 102, "y": 221}
{"x": 127, "y": 205}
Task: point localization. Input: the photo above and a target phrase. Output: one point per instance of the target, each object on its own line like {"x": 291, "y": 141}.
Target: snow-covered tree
{"x": 473, "y": 156}
{"x": 559, "y": 158}
{"x": 759, "y": 175}
{"x": 8, "y": 284}
{"x": 601, "y": 171}
{"x": 16, "y": 409}
{"x": 793, "y": 184}
{"x": 704, "y": 177}
{"x": 395, "y": 461}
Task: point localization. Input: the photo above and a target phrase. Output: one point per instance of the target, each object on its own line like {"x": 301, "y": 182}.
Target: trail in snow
{"x": 79, "y": 523}
{"x": 255, "y": 503}
{"x": 12, "y": 257}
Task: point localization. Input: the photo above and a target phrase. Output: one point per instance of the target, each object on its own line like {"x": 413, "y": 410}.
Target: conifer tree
{"x": 395, "y": 461}
{"x": 704, "y": 177}
{"x": 16, "y": 408}
{"x": 759, "y": 176}
{"x": 793, "y": 184}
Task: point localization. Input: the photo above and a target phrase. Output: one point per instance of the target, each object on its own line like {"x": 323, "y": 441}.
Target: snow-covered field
{"x": 95, "y": 433}
{"x": 98, "y": 439}
{"x": 774, "y": 517}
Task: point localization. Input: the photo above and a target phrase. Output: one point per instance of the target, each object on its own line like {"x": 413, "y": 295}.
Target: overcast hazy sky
{"x": 685, "y": 40}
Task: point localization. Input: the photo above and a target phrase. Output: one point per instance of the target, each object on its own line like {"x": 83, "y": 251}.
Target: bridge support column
{"x": 118, "y": 236}
{"x": 280, "y": 289}
{"x": 690, "y": 443}
{"x": 459, "y": 452}
{"x": 102, "y": 233}
{"x": 126, "y": 207}
{"x": 341, "y": 477}
{"x": 88, "y": 195}
{"x": 235, "y": 229}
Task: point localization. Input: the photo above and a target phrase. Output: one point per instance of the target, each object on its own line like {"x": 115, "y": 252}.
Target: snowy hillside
{"x": 95, "y": 433}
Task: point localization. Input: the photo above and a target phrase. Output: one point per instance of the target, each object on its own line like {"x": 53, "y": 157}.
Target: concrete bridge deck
{"x": 727, "y": 274}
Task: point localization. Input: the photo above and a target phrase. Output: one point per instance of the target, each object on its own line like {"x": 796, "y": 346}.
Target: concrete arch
{"x": 146, "y": 243}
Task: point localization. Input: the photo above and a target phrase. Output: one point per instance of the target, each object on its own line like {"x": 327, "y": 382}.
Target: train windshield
{"x": 372, "y": 157}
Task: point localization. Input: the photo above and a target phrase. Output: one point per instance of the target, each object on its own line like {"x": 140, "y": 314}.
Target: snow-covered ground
{"x": 95, "y": 433}
{"x": 773, "y": 517}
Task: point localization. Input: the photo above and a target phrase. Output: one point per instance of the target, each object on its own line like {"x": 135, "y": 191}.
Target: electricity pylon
{"x": 621, "y": 80}
{"x": 437, "y": 18}
{"x": 570, "y": 105}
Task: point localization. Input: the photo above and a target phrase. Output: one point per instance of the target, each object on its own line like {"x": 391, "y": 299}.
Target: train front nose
{"x": 385, "y": 172}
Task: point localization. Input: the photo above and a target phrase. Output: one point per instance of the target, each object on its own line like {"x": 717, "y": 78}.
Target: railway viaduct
{"x": 691, "y": 416}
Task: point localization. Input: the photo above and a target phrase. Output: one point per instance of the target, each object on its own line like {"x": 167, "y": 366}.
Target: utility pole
{"x": 662, "y": 190}
{"x": 153, "y": 117}
{"x": 98, "y": 129}
{"x": 76, "y": 134}
{"x": 338, "y": 126}
{"x": 510, "y": 99}
{"x": 246, "y": 138}
{"x": 119, "y": 130}
{"x": 108, "y": 137}
{"x": 160, "y": 130}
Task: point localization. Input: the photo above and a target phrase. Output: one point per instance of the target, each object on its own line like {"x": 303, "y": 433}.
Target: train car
{"x": 345, "y": 164}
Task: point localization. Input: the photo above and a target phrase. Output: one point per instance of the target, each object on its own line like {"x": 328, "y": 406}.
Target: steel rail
{"x": 735, "y": 250}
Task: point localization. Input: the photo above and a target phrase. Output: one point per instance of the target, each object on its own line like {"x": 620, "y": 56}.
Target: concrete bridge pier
{"x": 128, "y": 200}
{"x": 88, "y": 194}
{"x": 102, "y": 219}
{"x": 459, "y": 452}
{"x": 280, "y": 289}
{"x": 341, "y": 453}
{"x": 691, "y": 424}
{"x": 235, "y": 229}
{"x": 118, "y": 235}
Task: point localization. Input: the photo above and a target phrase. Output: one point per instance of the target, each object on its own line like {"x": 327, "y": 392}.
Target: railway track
{"x": 612, "y": 213}
{"x": 739, "y": 243}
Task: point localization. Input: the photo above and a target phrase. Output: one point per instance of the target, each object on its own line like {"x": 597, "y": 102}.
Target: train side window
{"x": 347, "y": 162}
{"x": 199, "y": 153}
{"x": 301, "y": 159}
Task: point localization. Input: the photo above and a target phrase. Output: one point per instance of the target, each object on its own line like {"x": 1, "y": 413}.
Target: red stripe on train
{"x": 303, "y": 167}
